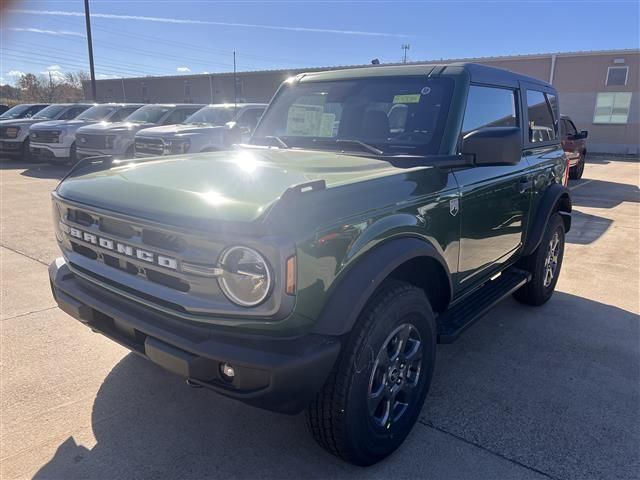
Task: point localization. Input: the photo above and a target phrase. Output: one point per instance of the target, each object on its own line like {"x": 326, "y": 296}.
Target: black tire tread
{"x": 531, "y": 293}
{"x": 323, "y": 413}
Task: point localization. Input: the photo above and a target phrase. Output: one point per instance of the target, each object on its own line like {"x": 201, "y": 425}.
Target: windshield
{"x": 396, "y": 115}
{"x": 99, "y": 112}
{"x": 50, "y": 112}
{"x": 212, "y": 115}
{"x": 148, "y": 114}
{"x": 15, "y": 112}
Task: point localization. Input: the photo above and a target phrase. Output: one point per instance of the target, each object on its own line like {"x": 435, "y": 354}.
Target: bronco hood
{"x": 236, "y": 186}
{"x": 180, "y": 129}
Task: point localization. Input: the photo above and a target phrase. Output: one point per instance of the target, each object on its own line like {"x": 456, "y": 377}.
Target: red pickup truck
{"x": 574, "y": 144}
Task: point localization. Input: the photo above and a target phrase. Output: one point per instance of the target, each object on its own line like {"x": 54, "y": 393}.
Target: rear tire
{"x": 375, "y": 393}
{"x": 544, "y": 265}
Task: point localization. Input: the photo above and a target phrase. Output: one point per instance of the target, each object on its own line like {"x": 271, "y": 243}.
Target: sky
{"x": 168, "y": 37}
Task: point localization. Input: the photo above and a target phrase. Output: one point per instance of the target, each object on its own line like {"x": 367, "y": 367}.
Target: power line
{"x": 178, "y": 43}
{"x": 81, "y": 57}
{"x": 73, "y": 64}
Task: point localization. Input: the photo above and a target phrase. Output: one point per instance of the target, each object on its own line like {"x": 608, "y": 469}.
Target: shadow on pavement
{"x": 607, "y": 159}
{"x": 586, "y": 229}
{"x": 603, "y": 194}
{"x": 34, "y": 169}
{"x": 555, "y": 387}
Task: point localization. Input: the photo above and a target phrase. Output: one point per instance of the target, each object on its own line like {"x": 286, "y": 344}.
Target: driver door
{"x": 494, "y": 200}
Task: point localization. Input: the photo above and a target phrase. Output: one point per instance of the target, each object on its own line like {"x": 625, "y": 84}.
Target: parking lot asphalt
{"x": 549, "y": 392}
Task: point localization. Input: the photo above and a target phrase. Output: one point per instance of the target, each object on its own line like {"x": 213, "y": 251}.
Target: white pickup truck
{"x": 116, "y": 139}
{"x": 214, "y": 127}
{"x": 55, "y": 141}
{"x": 14, "y": 133}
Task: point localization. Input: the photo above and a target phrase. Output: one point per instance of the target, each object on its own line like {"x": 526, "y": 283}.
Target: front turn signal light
{"x": 291, "y": 276}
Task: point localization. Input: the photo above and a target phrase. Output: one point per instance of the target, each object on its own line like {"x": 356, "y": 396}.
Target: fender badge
{"x": 454, "y": 206}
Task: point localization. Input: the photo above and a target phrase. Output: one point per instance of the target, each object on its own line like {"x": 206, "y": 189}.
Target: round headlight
{"x": 246, "y": 279}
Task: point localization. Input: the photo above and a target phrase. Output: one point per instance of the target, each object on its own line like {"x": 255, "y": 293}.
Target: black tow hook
{"x": 193, "y": 384}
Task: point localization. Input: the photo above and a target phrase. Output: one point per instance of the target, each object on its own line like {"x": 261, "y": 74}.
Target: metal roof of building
{"x": 295, "y": 71}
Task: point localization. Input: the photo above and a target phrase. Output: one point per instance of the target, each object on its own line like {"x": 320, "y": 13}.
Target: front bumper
{"x": 43, "y": 151}
{"x": 10, "y": 147}
{"x": 91, "y": 152}
{"x": 278, "y": 374}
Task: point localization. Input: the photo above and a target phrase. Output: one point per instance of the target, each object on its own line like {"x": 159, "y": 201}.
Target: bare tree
{"x": 52, "y": 89}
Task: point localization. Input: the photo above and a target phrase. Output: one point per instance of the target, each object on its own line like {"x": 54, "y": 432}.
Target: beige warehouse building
{"x": 599, "y": 90}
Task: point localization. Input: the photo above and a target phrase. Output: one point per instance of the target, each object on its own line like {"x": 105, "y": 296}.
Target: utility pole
{"x": 235, "y": 84}
{"x": 90, "y": 44}
{"x": 405, "y": 47}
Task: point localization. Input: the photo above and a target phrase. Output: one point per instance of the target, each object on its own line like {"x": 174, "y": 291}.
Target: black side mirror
{"x": 493, "y": 146}
{"x": 583, "y": 134}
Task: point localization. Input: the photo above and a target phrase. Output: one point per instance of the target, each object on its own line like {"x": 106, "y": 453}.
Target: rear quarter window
{"x": 540, "y": 112}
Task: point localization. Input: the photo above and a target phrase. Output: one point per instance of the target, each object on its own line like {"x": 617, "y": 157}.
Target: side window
{"x": 122, "y": 114}
{"x": 32, "y": 111}
{"x": 178, "y": 116}
{"x": 571, "y": 128}
{"x": 541, "y": 122}
{"x": 72, "y": 113}
{"x": 249, "y": 118}
{"x": 489, "y": 107}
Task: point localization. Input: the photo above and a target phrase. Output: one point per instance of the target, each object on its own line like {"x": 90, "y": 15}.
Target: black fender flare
{"x": 556, "y": 198}
{"x": 350, "y": 293}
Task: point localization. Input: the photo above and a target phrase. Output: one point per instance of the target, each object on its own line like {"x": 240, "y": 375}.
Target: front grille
{"x": 87, "y": 140}
{"x": 134, "y": 238}
{"x": 149, "y": 146}
{"x": 44, "y": 136}
{"x": 4, "y": 130}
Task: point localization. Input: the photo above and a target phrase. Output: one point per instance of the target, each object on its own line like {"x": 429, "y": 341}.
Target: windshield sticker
{"x": 326, "y": 125}
{"x": 412, "y": 98}
{"x": 309, "y": 121}
{"x": 425, "y": 91}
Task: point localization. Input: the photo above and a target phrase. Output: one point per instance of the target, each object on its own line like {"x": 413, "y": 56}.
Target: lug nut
{"x": 227, "y": 372}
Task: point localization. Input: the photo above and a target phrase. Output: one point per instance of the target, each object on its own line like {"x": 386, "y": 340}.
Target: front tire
{"x": 575, "y": 172}
{"x": 544, "y": 265}
{"x": 73, "y": 157}
{"x": 25, "y": 154}
{"x": 375, "y": 393}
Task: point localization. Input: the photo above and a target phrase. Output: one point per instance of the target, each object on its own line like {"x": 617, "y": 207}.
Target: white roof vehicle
{"x": 55, "y": 141}
{"x": 214, "y": 127}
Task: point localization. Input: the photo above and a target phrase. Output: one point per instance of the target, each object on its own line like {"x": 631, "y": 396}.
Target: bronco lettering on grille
{"x": 124, "y": 249}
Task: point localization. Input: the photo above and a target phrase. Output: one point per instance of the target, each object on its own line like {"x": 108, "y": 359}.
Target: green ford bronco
{"x": 375, "y": 213}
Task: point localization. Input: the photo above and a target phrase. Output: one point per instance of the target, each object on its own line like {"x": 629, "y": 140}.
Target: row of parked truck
{"x": 66, "y": 133}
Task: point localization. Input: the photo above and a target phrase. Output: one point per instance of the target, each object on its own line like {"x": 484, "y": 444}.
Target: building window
{"x": 617, "y": 76}
{"x": 612, "y": 107}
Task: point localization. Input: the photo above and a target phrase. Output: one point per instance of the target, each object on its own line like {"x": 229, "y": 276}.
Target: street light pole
{"x": 90, "y": 44}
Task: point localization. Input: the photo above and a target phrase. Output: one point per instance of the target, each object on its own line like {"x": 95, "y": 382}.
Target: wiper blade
{"x": 365, "y": 146}
{"x": 278, "y": 140}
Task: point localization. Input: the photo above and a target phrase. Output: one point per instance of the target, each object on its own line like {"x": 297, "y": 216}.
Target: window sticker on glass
{"x": 326, "y": 125}
{"x": 309, "y": 121}
{"x": 412, "y": 98}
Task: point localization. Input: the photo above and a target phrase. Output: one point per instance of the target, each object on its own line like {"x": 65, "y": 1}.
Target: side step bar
{"x": 464, "y": 314}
